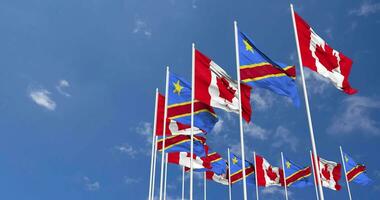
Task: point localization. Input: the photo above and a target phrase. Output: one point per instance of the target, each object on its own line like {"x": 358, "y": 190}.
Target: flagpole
{"x": 240, "y": 110}
{"x": 229, "y": 175}
{"x": 314, "y": 148}
{"x": 183, "y": 182}
{"x": 345, "y": 172}
{"x": 315, "y": 181}
{"x": 163, "y": 132}
{"x": 153, "y": 145}
{"x": 154, "y": 167}
{"x": 192, "y": 118}
{"x": 166, "y": 174}
{"x": 204, "y": 186}
{"x": 283, "y": 171}
{"x": 257, "y": 185}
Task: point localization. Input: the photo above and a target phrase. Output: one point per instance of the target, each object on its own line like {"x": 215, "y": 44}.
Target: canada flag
{"x": 318, "y": 56}
{"x": 184, "y": 159}
{"x": 267, "y": 175}
{"x": 330, "y": 174}
{"x": 214, "y": 87}
{"x": 222, "y": 179}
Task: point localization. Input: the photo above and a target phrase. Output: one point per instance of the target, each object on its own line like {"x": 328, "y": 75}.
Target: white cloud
{"x": 62, "y": 84}
{"x": 91, "y": 185}
{"x": 127, "y": 149}
{"x": 194, "y": 4}
{"x": 275, "y": 190}
{"x": 256, "y": 131}
{"x": 218, "y": 127}
{"x": 283, "y": 137}
{"x": 142, "y": 27}
{"x": 355, "y": 115}
{"x": 366, "y": 8}
{"x": 41, "y": 97}
{"x": 262, "y": 100}
{"x": 145, "y": 129}
{"x": 130, "y": 180}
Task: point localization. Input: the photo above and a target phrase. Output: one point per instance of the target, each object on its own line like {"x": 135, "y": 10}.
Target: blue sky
{"x": 78, "y": 78}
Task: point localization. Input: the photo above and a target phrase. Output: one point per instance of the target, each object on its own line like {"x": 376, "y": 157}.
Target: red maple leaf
{"x": 325, "y": 172}
{"x": 272, "y": 175}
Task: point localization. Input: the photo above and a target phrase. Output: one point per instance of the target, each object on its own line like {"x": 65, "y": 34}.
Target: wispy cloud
{"x": 194, "y": 4}
{"x": 130, "y": 180}
{"x": 42, "y": 98}
{"x": 275, "y": 191}
{"x": 142, "y": 28}
{"x": 91, "y": 185}
{"x": 127, "y": 149}
{"x": 62, "y": 85}
{"x": 145, "y": 129}
{"x": 366, "y": 8}
{"x": 355, "y": 115}
{"x": 283, "y": 137}
{"x": 316, "y": 83}
{"x": 218, "y": 127}
{"x": 256, "y": 131}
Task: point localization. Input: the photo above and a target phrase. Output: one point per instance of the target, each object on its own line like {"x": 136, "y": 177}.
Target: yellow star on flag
{"x": 288, "y": 164}
{"x": 248, "y": 47}
{"x": 177, "y": 88}
{"x": 234, "y": 160}
{"x": 345, "y": 157}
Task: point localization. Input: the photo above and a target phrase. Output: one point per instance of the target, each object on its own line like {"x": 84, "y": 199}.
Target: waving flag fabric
{"x": 267, "y": 175}
{"x": 236, "y": 172}
{"x": 355, "y": 172}
{"x": 216, "y": 88}
{"x": 179, "y": 106}
{"x": 297, "y": 176}
{"x": 321, "y": 58}
{"x": 181, "y": 143}
{"x": 217, "y": 163}
{"x": 184, "y": 159}
{"x": 222, "y": 179}
{"x": 330, "y": 174}
{"x": 172, "y": 127}
{"x": 256, "y": 69}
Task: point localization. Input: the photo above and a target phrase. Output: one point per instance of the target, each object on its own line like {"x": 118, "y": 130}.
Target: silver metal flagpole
{"x": 154, "y": 167}
{"x": 345, "y": 172}
{"x": 192, "y": 118}
{"x": 315, "y": 181}
{"x": 166, "y": 174}
{"x": 307, "y": 106}
{"x": 256, "y": 183}
{"x": 183, "y": 183}
{"x": 283, "y": 171}
{"x": 153, "y": 145}
{"x": 240, "y": 110}
{"x": 204, "y": 186}
{"x": 229, "y": 175}
{"x": 163, "y": 132}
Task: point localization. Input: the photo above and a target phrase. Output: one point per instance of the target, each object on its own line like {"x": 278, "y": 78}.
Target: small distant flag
{"x": 256, "y": 69}
{"x": 184, "y": 159}
{"x": 355, "y": 172}
{"x": 318, "y": 56}
{"x": 179, "y": 106}
{"x": 297, "y": 176}
{"x": 172, "y": 127}
{"x": 267, "y": 175}
{"x": 236, "y": 170}
{"x": 216, "y": 88}
{"x": 330, "y": 173}
{"x": 181, "y": 143}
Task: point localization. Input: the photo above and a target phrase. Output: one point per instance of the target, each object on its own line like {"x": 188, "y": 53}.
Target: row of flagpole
{"x": 314, "y": 155}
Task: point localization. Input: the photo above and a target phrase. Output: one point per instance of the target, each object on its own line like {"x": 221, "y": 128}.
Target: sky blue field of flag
{"x": 355, "y": 172}
{"x": 180, "y": 94}
{"x": 236, "y": 170}
{"x": 299, "y": 178}
{"x": 78, "y": 81}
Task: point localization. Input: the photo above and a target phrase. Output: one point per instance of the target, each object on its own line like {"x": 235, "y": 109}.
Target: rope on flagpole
{"x": 192, "y": 118}
{"x": 283, "y": 171}
{"x": 240, "y": 111}
{"x": 314, "y": 148}
{"x": 315, "y": 181}
{"x": 345, "y": 172}
{"x": 163, "y": 132}
{"x": 229, "y": 175}
{"x": 153, "y": 146}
